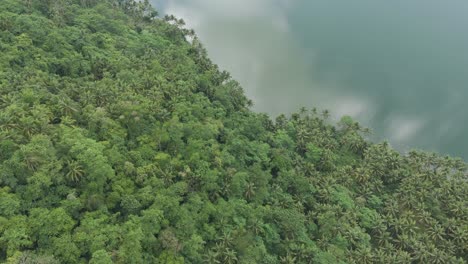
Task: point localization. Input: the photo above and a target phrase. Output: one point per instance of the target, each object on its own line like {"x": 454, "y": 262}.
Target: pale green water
{"x": 400, "y": 67}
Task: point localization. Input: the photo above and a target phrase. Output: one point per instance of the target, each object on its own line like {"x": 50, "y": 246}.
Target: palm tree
{"x": 436, "y": 232}
{"x": 314, "y": 110}
{"x": 366, "y": 131}
{"x": 212, "y": 257}
{"x": 383, "y": 238}
{"x": 425, "y": 217}
{"x": 409, "y": 226}
{"x": 392, "y": 208}
{"x": 75, "y": 171}
{"x": 250, "y": 191}
{"x": 309, "y": 169}
{"x": 66, "y": 106}
{"x": 438, "y": 256}
{"x": 32, "y": 161}
{"x": 257, "y": 227}
{"x": 402, "y": 257}
{"x": 166, "y": 174}
{"x": 302, "y": 253}
{"x": 28, "y": 4}
{"x": 361, "y": 175}
{"x": 227, "y": 255}
{"x": 458, "y": 208}
{"x": 226, "y": 239}
{"x": 421, "y": 253}
{"x": 364, "y": 255}
{"x": 28, "y": 127}
{"x": 403, "y": 241}
{"x": 460, "y": 237}
{"x": 303, "y": 111}
{"x": 288, "y": 259}
{"x": 326, "y": 114}
{"x": 302, "y": 136}
{"x": 381, "y": 257}
{"x": 225, "y": 187}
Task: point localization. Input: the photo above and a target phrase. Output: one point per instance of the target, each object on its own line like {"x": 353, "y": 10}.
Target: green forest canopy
{"x": 121, "y": 142}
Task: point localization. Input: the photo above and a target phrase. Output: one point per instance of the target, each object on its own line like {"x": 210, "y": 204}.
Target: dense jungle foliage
{"x": 121, "y": 142}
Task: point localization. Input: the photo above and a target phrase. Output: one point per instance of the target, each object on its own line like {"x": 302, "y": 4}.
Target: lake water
{"x": 399, "y": 67}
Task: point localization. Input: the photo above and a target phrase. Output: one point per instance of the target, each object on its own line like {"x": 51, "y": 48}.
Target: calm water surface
{"x": 399, "y": 67}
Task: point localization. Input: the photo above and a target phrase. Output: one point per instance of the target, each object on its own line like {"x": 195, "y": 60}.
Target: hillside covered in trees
{"x": 121, "y": 142}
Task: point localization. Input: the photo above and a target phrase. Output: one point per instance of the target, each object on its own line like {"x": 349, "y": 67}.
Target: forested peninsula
{"x": 122, "y": 142}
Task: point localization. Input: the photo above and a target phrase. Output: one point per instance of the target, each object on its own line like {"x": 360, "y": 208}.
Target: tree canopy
{"x": 121, "y": 142}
